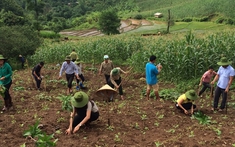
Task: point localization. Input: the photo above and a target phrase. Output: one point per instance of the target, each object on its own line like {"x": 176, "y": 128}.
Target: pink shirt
{"x": 207, "y": 76}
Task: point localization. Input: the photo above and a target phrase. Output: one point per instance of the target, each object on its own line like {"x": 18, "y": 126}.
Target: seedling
{"x": 66, "y": 104}
{"x": 202, "y": 118}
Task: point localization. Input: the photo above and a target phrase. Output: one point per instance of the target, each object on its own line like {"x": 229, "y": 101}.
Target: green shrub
{"x": 138, "y": 16}
{"x": 187, "y": 19}
{"x": 49, "y": 34}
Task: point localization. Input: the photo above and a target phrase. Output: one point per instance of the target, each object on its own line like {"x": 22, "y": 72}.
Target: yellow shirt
{"x": 74, "y": 55}
{"x": 184, "y": 98}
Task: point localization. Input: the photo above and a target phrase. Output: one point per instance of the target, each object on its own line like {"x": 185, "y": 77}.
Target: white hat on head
{"x": 106, "y": 56}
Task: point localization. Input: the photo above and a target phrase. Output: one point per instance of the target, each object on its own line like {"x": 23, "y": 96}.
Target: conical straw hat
{"x": 106, "y": 87}
{"x": 106, "y": 90}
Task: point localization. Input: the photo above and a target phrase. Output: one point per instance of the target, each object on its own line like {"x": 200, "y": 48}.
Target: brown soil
{"x": 134, "y": 122}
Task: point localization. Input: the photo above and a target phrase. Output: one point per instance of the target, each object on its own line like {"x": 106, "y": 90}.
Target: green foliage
{"x": 33, "y": 131}
{"x": 169, "y": 94}
{"x": 2, "y": 90}
{"x": 49, "y": 34}
{"x": 138, "y": 16}
{"x": 202, "y": 118}
{"x": 18, "y": 40}
{"x": 66, "y": 102}
{"x": 43, "y": 140}
{"x": 109, "y": 22}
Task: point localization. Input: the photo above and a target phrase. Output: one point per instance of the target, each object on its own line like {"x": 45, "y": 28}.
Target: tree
{"x": 17, "y": 40}
{"x": 109, "y": 22}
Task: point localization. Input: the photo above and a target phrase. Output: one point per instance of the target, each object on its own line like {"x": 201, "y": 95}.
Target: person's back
{"x": 74, "y": 55}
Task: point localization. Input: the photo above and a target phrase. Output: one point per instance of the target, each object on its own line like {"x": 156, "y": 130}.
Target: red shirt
{"x": 207, "y": 76}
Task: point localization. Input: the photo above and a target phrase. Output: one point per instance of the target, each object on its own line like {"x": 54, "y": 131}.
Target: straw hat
{"x": 80, "y": 99}
{"x": 191, "y": 94}
{"x": 106, "y": 90}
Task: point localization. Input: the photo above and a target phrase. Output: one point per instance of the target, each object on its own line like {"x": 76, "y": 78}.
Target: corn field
{"x": 181, "y": 59}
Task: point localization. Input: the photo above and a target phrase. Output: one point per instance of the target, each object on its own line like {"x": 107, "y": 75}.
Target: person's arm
{"x": 122, "y": 71}
{"x": 180, "y": 105}
{"x": 76, "y": 70}
{"x": 112, "y": 80}
{"x": 215, "y": 79}
{"x": 9, "y": 72}
{"x": 61, "y": 70}
{"x": 159, "y": 68}
{"x": 88, "y": 115}
{"x": 229, "y": 83}
{"x": 192, "y": 110}
{"x": 69, "y": 130}
{"x": 101, "y": 68}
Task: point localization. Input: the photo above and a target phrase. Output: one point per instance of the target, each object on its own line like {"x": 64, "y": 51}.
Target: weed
{"x": 202, "y": 118}
{"x": 66, "y": 104}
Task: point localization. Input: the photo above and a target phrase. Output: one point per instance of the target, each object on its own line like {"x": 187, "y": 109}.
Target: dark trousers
{"x": 79, "y": 117}
{"x": 22, "y": 64}
{"x": 117, "y": 82}
{"x": 38, "y": 81}
{"x": 107, "y": 77}
{"x": 186, "y": 106}
{"x": 218, "y": 92}
{"x": 205, "y": 86}
{"x": 69, "y": 78}
{"x": 7, "y": 96}
{"x": 81, "y": 77}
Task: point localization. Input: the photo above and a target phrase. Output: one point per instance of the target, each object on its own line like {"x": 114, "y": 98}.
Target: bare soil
{"x": 134, "y": 122}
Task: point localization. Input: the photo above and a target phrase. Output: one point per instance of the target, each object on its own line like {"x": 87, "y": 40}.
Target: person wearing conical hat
{"x": 79, "y": 85}
{"x": 106, "y": 67}
{"x": 84, "y": 112}
{"x": 115, "y": 80}
{"x": 70, "y": 70}
{"x": 186, "y": 100}
{"x": 224, "y": 76}
{"x": 6, "y": 81}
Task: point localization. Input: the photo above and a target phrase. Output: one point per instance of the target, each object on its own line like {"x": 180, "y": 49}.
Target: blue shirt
{"x": 68, "y": 68}
{"x": 151, "y": 73}
{"x": 224, "y": 76}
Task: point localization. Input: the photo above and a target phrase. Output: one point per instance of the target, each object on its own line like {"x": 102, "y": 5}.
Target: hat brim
{"x": 224, "y": 63}
{"x": 106, "y": 90}
{"x": 190, "y": 97}
{"x": 82, "y": 103}
{"x": 67, "y": 59}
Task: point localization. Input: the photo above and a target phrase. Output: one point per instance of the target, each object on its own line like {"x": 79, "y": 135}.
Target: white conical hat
{"x": 106, "y": 87}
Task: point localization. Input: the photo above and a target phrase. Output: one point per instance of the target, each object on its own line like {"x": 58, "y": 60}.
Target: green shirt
{"x": 74, "y": 55}
{"x": 5, "y": 71}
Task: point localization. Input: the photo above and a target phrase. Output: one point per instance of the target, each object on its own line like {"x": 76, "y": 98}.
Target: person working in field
{"x": 70, "y": 70}
{"x": 185, "y": 102}
{"x": 224, "y": 76}
{"x": 79, "y": 84}
{"x": 106, "y": 67}
{"x": 151, "y": 76}
{"x": 115, "y": 80}
{"x": 206, "y": 79}
{"x": 5, "y": 83}
{"x": 22, "y": 60}
{"x": 73, "y": 55}
{"x": 36, "y": 72}
{"x": 84, "y": 112}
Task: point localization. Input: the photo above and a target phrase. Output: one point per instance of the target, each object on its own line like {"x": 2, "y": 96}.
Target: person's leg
{"x": 203, "y": 89}
{"x": 77, "y": 119}
{"x": 37, "y": 82}
{"x": 94, "y": 116}
{"x": 156, "y": 88}
{"x": 83, "y": 79}
{"x": 77, "y": 84}
{"x": 7, "y": 97}
{"x": 118, "y": 82}
{"x": 107, "y": 78}
{"x": 188, "y": 106}
{"x": 148, "y": 91}
{"x": 69, "y": 78}
{"x": 216, "y": 97}
{"x": 224, "y": 99}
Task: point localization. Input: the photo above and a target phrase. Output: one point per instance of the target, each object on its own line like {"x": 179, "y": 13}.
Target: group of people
{"x": 224, "y": 76}
{"x": 85, "y": 110}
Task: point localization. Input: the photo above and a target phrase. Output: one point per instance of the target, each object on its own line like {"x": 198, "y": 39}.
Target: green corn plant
{"x": 33, "y": 131}
{"x": 66, "y": 102}
{"x": 45, "y": 140}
